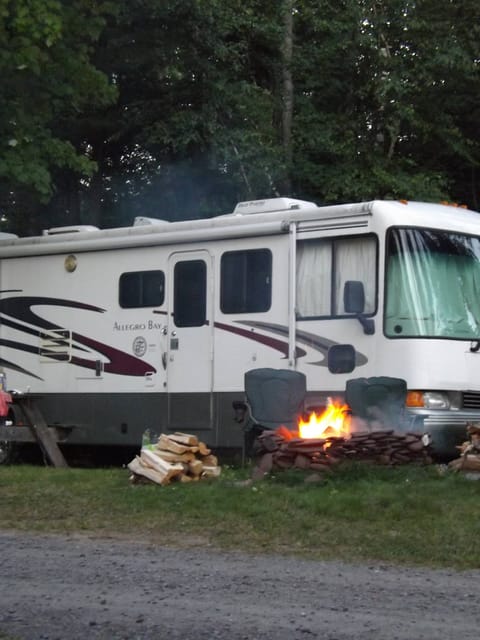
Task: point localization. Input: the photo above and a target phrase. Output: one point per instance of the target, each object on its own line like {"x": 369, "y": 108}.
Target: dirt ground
{"x": 59, "y": 588}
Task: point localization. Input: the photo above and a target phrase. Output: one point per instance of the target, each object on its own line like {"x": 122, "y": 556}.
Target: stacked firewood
{"x": 279, "y": 450}
{"x": 469, "y": 459}
{"x": 177, "y": 456}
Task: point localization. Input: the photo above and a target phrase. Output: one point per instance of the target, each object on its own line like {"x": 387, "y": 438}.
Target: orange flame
{"x": 334, "y": 421}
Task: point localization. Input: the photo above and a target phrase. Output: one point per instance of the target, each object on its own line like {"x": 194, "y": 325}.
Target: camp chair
{"x": 378, "y": 400}
{"x": 273, "y": 397}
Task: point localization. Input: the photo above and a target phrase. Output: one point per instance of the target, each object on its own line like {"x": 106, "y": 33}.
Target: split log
{"x": 307, "y": 443}
{"x": 210, "y": 460}
{"x": 270, "y": 442}
{"x": 184, "y": 438}
{"x": 211, "y": 472}
{"x": 137, "y": 468}
{"x": 359, "y": 436}
{"x": 469, "y": 459}
{"x": 195, "y": 467}
{"x": 173, "y": 458}
{"x": 282, "y": 461}
{"x": 470, "y": 463}
{"x": 416, "y": 446}
{"x": 165, "y": 442}
{"x": 203, "y": 450}
{"x": 378, "y": 435}
{"x": 188, "y": 456}
{"x": 301, "y": 461}
{"x": 167, "y": 469}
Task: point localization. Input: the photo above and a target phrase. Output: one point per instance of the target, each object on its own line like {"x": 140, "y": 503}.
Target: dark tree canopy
{"x": 48, "y": 79}
{"x": 180, "y": 109}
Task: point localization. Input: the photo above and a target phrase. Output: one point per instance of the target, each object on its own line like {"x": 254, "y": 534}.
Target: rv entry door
{"x": 190, "y": 341}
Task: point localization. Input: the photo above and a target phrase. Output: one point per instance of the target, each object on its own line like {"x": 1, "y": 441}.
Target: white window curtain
{"x": 355, "y": 259}
{"x": 314, "y": 278}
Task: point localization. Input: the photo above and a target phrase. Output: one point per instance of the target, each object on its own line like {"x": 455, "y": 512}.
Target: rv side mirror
{"x": 354, "y": 297}
{"x": 354, "y": 302}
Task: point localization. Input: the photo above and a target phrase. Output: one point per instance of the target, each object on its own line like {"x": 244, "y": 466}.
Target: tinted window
{"x": 190, "y": 293}
{"x": 246, "y": 281}
{"x": 141, "y": 289}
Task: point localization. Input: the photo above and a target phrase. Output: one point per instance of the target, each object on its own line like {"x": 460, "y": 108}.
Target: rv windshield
{"x": 432, "y": 284}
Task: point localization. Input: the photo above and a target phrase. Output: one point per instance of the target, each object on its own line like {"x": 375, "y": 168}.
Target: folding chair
{"x": 378, "y": 400}
{"x": 274, "y": 397}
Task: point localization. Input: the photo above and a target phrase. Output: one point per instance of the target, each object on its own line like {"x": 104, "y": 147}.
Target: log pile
{"x": 279, "y": 450}
{"x": 469, "y": 459}
{"x": 175, "y": 457}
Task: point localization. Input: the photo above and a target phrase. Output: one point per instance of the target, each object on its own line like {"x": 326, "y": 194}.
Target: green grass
{"x": 408, "y": 515}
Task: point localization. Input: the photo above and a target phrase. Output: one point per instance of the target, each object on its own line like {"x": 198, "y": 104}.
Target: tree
{"x": 378, "y": 109}
{"x": 47, "y": 80}
{"x": 198, "y": 100}
{"x": 220, "y": 102}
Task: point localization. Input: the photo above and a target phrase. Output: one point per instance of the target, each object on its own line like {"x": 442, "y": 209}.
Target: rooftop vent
{"x": 271, "y": 204}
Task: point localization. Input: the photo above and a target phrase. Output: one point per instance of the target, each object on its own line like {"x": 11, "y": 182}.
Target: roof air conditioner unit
{"x": 270, "y": 205}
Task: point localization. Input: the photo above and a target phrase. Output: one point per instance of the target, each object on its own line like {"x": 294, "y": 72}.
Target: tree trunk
{"x": 287, "y": 89}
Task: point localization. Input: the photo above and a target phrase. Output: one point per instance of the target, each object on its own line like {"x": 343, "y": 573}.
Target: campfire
{"x": 334, "y": 421}
{"x": 325, "y": 439}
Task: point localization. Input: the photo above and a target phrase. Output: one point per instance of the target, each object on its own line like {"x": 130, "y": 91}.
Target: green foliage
{"x": 47, "y": 79}
{"x": 380, "y": 113}
{"x": 195, "y": 107}
{"x": 384, "y": 104}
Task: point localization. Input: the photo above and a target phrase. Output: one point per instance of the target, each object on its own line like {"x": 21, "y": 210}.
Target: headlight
{"x": 428, "y": 399}
{"x": 436, "y": 400}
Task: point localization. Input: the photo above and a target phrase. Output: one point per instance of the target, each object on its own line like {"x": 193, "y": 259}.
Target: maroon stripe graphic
{"x": 120, "y": 362}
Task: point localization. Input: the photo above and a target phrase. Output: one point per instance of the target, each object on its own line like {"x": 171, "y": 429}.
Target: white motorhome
{"x": 155, "y": 325}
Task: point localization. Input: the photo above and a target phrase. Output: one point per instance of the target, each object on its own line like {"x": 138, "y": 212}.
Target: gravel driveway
{"x": 54, "y": 587}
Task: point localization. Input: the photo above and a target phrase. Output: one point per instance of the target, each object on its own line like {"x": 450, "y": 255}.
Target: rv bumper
{"x": 447, "y": 429}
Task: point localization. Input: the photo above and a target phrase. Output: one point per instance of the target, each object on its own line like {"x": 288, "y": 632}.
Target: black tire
{"x": 9, "y": 450}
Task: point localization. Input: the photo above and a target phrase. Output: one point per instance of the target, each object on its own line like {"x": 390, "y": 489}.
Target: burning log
{"x": 178, "y": 456}
{"x": 278, "y": 451}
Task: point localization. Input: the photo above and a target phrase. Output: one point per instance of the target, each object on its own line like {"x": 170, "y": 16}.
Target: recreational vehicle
{"x": 155, "y": 325}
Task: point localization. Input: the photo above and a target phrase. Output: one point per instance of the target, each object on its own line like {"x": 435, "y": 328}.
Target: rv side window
{"x": 246, "y": 281}
{"x": 323, "y": 267}
{"x": 190, "y": 293}
{"x": 141, "y": 289}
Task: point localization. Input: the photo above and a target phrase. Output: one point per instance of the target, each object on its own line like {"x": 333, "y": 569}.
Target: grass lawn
{"x": 405, "y": 515}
